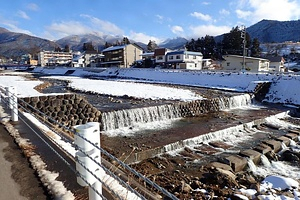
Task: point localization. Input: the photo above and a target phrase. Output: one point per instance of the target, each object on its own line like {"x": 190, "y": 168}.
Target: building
{"x": 160, "y": 56}
{"x": 148, "y": 60}
{"x": 78, "y": 60}
{"x": 183, "y": 59}
{"x": 121, "y": 56}
{"x": 49, "y": 58}
{"x": 276, "y": 63}
{"x": 235, "y": 62}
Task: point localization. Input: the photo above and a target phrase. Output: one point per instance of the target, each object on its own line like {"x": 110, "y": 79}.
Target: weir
{"x": 127, "y": 118}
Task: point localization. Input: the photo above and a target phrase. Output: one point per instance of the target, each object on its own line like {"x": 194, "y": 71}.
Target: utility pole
{"x": 243, "y": 36}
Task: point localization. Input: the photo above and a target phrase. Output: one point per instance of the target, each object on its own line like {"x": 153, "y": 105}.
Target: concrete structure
{"x": 276, "y": 63}
{"x": 183, "y": 59}
{"x": 78, "y": 61}
{"x": 235, "y": 62}
{"x": 160, "y": 56}
{"x": 49, "y": 58}
{"x": 121, "y": 56}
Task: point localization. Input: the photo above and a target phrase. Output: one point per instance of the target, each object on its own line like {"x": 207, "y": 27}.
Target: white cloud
{"x": 201, "y": 16}
{"x": 211, "y": 30}
{"x": 12, "y": 26}
{"x": 22, "y": 14}
{"x": 224, "y": 12}
{"x": 281, "y": 10}
{"x": 206, "y": 3}
{"x": 161, "y": 19}
{"x": 177, "y": 30}
{"x": 103, "y": 26}
{"x": 90, "y": 25}
{"x": 63, "y": 29}
{"x": 141, "y": 37}
{"x": 243, "y": 14}
{"x": 33, "y": 7}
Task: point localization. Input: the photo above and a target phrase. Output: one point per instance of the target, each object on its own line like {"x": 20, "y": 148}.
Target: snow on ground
{"x": 23, "y": 87}
{"x": 138, "y": 90}
{"x": 283, "y": 90}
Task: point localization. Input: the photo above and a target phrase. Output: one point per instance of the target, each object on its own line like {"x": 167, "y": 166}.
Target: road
{"x": 18, "y": 180}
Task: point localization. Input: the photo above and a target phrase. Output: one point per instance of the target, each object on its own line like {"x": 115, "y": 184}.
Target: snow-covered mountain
{"x": 175, "y": 43}
{"x": 76, "y": 42}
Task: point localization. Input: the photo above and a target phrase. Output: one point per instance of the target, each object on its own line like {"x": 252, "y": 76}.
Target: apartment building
{"x": 50, "y": 58}
{"x": 121, "y": 56}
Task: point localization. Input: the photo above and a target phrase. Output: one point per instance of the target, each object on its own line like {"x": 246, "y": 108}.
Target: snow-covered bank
{"x": 284, "y": 88}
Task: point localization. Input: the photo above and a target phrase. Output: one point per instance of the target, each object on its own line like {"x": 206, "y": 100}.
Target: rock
{"x": 292, "y": 136}
{"x": 237, "y": 163}
{"x": 275, "y": 145}
{"x": 227, "y": 173}
{"x": 183, "y": 187}
{"x": 290, "y": 156}
{"x": 196, "y": 184}
{"x": 220, "y": 166}
{"x": 252, "y": 154}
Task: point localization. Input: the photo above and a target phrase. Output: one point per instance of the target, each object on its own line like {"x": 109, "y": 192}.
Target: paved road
{"x": 17, "y": 179}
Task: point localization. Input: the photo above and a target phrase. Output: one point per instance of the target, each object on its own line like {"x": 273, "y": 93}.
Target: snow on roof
{"x": 247, "y": 57}
{"x": 112, "y": 48}
{"x": 184, "y": 52}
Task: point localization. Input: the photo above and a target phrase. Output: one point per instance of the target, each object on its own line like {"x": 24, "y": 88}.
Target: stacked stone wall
{"x": 66, "y": 109}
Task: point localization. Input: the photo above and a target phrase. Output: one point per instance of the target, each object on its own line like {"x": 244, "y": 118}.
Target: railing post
{"x": 9, "y": 95}
{"x": 14, "y": 101}
{"x": 90, "y": 132}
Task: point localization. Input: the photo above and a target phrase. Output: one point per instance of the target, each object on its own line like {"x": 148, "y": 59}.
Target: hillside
{"x": 271, "y": 31}
{"x": 16, "y": 44}
{"x": 275, "y": 31}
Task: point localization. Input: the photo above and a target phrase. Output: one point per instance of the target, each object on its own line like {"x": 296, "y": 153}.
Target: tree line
{"x": 231, "y": 43}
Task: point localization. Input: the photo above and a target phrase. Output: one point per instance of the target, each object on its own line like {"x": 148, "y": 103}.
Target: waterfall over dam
{"x": 126, "y": 118}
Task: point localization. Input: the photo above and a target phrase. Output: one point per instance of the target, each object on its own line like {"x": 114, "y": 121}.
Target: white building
{"x": 236, "y": 62}
{"x": 48, "y": 58}
{"x": 184, "y": 60}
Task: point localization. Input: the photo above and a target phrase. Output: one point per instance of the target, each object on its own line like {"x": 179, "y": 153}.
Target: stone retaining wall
{"x": 66, "y": 109}
{"x": 73, "y": 109}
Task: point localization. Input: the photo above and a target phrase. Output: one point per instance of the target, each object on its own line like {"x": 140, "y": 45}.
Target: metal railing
{"x": 7, "y": 94}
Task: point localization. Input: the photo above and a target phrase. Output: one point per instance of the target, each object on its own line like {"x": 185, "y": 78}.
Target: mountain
{"x": 272, "y": 31}
{"x": 76, "y": 42}
{"x": 275, "y": 31}
{"x": 16, "y": 44}
{"x": 175, "y": 43}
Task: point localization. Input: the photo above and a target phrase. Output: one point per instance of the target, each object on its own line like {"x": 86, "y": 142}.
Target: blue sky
{"x": 142, "y": 20}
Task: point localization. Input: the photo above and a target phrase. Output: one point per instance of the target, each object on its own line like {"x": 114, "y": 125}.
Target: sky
{"x": 140, "y": 21}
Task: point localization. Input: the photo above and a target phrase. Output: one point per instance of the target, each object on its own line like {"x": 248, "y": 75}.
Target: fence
{"x": 90, "y": 171}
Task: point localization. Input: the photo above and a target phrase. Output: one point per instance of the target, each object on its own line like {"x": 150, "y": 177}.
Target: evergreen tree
{"x": 126, "y": 41}
{"x": 151, "y": 46}
{"x": 88, "y": 47}
{"x": 106, "y": 45}
{"x": 67, "y": 48}
{"x": 57, "y": 49}
{"x": 255, "y": 49}
{"x": 232, "y": 42}
{"x": 191, "y": 45}
{"x": 206, "y": 45}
